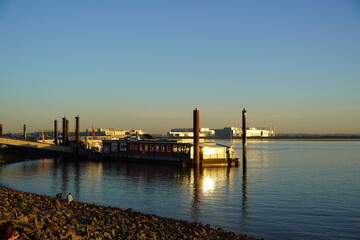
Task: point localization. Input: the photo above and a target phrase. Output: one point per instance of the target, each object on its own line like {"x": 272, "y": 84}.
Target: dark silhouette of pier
{"x": 43, "y": 146}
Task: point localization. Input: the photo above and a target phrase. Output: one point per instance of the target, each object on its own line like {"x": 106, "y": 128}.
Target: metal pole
{"x": 244, "y": 137}
{"x": 0, "y": 130}
{"x": 55, "y": 132}
{"x": 197, "y": 137}
{"x": 24, "y": 131}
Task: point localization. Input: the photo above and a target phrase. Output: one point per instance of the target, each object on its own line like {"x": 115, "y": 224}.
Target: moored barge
{"x": 168, "y": 151}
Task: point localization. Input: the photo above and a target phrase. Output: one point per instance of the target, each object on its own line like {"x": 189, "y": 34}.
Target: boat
{"x": 168, "y": 151}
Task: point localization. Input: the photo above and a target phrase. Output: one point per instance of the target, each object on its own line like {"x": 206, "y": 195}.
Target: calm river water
{"x": 290, "y": 190}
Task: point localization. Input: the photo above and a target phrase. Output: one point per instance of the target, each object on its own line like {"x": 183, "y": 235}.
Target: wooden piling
{"x": 77, "y": 130}
{"x": 244, "y": 137}
{"x": 67, "y": 131}
{"x": 55, "y": 132}
{"x": 64, "y": 130}
{"x": 24, "y": 131}
{"x": 197, "y": 138}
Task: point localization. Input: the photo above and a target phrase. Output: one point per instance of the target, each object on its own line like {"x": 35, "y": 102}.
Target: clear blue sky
{"x": 148, "y": 64}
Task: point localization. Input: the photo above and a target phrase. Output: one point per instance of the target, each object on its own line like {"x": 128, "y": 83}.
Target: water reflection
{"x": 163, "y": 190}
{"x": 287, "y": 186}
{"x": 254, "y": 156}
{"x": 66, "y": 176}
{"x": 172, "y": 191}
{"x": 208, "y": 184}
{"x": 197, "y": 191}
{"x": 244, "y": 208}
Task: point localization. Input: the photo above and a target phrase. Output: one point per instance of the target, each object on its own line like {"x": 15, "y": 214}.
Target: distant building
{"x": 260, "y": 132}
{"x": 111, "y": 132}
{"x": 189, "y": 132}
{"x": 250, "y": 132}
{"x": 226, "y": 132}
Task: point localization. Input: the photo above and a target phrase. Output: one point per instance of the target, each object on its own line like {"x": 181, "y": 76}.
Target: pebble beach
{"x": 41, "y": 217}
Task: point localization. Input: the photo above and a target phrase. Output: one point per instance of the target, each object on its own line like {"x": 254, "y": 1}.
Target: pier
{"x": 42, "y": 146}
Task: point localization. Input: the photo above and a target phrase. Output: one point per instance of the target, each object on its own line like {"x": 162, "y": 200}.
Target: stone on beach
{"x": 41, "y": 217}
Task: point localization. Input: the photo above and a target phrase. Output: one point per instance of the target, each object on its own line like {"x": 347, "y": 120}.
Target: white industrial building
{"x": 250, "y": 132}
{"x": 115, "y": 133}
{"x": 189, "y": 132}
{"x": 226, "y": 132}
{"x": 260, "y": 132}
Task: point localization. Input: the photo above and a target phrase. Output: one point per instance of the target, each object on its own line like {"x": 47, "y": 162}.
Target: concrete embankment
{"x": 41, "y": 217}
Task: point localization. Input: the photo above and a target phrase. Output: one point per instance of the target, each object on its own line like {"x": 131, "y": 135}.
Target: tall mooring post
{"x": 67, "y": 131}
{"x": 24, "y": 131}
{"x": 77, "y": 131}
{"x": 55, "y": 132}
{"x": 64, "y": 131}
{"x": 0, "y": 130}
{"x": 197, "y": 138}
{"x": 244, "y": 137}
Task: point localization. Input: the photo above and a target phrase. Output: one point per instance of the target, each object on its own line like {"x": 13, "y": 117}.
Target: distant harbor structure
{"x": 226, "y": 132}
{"x": 128, "y": 145}
{"x": 88, "y": 138}
{"x": 100, "y": 133}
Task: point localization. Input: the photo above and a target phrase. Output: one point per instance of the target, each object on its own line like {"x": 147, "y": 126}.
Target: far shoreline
{"x": 319, "y": 138}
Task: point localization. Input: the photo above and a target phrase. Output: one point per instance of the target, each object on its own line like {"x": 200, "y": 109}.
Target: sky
{"x": 292, "y": 64}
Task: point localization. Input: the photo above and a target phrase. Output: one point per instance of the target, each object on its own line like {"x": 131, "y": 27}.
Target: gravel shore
{"x": 42, "y": 217}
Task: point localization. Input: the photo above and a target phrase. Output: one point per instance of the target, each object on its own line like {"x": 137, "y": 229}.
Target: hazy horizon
{"x": 72, "y": 129}
{"x": 147, "y": 65}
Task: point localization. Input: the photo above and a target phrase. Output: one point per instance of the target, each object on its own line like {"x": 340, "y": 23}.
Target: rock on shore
{"x": 41, "y": 217}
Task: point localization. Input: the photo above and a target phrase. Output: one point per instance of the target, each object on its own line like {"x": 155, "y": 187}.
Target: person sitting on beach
{"x": 7, "y": 232}
{"x": 59, "y": 195}
{"x": 69, "y": 198}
